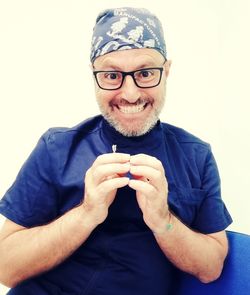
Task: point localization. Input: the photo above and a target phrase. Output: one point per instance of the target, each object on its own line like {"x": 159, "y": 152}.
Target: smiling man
{"x": 119, "y": 203}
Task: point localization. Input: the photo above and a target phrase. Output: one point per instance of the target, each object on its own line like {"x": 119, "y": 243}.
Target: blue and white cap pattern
{"x": 126, "y": 28}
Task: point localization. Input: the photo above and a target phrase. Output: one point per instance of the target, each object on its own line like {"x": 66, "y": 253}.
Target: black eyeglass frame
{"x": 124, "y": 74}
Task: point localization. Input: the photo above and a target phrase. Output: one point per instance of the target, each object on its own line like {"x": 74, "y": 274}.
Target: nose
{"x": 130, "y": 91}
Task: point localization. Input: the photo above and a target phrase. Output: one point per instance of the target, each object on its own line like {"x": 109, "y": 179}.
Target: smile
{"x": 132, "y": 109}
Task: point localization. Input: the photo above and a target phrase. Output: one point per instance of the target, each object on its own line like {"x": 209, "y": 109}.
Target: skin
{"x": 193, "y": 252}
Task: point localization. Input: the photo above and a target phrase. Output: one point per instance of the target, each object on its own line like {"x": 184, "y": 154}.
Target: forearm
{"x": 193, "y": 252}
{"x": 29, "y": 252}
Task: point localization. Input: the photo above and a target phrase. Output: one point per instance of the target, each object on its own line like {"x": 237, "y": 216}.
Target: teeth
{"x": 131, "y": 109}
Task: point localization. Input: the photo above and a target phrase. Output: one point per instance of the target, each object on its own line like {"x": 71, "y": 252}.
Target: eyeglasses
{"x": 143, "y": 78}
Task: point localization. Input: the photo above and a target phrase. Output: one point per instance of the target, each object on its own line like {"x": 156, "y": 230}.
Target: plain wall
{"x": 46, "y": 80}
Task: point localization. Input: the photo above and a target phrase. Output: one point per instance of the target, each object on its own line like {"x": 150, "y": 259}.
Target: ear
{"x": 167, "y": 66}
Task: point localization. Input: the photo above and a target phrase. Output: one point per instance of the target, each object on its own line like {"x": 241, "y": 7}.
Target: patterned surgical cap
{"x": 126, "y": 28}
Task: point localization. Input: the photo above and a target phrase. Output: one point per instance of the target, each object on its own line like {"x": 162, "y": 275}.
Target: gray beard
{"x": 148, "y": 125}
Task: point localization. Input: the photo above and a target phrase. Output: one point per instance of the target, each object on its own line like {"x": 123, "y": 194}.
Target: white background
{"x": 46, "y": 81}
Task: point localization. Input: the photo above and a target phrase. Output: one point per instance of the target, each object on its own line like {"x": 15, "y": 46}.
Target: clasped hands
{"x": 110, "y": 172}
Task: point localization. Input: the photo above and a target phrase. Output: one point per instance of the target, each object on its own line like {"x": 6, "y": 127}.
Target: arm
{"x": 25, "y": 252}
{"x": 193, "y": 252}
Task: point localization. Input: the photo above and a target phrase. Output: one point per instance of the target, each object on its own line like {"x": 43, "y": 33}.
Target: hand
{"x": 102, "y": 180}
{"x": 151, "y": 187}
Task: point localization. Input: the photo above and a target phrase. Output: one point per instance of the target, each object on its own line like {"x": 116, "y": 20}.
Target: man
{"x": 116, "y": 204}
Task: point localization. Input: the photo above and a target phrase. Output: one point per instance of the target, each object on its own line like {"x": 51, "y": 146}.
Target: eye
{"x": 145, "y": 73}
{"x": 112, "y": 76}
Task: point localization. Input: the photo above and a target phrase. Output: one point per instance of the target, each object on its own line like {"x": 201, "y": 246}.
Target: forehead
{"x": 129, "y": 59}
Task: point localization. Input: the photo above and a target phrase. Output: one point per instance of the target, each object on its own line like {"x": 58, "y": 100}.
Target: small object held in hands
{"x": 114, "y": 148}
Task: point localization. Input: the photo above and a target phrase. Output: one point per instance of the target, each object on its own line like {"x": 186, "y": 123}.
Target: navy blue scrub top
{"x": 121, "y": 256}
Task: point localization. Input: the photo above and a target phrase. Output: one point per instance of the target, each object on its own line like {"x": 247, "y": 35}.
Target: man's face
{"x": 131, "y": 110}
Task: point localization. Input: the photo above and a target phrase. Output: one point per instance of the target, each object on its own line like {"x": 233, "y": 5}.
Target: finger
{"x": 111, "y": 158}
{"x": 105, "y": 171}
{"x": 154, "y": 176}
{"x": 146, "y": 160}
{"x": 143, "y": 187}
{"x": 111, "y": 184}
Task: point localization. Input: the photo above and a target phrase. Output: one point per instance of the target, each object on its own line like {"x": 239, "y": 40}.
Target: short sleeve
{"x": 32, "y": 199}
{"x": 212, "y": 215}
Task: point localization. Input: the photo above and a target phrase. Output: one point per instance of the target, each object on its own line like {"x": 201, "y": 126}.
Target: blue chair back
{"x": 235, "y": 278}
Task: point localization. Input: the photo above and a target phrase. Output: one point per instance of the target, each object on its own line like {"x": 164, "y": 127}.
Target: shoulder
{"x": 182, "y": 136}
{"x": 186, "y": 145}
{"x": 66, "y": 135}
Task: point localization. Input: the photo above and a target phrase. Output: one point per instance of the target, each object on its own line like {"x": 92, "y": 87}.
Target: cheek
{"x": 104, "y": 97}
{"x": 155, "y": 94}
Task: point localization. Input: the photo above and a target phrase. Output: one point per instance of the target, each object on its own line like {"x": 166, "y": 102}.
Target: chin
{"x": 133, "y": 129}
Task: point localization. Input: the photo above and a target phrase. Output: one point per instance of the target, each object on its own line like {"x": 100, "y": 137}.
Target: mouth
{"x": 132, "y": 108}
